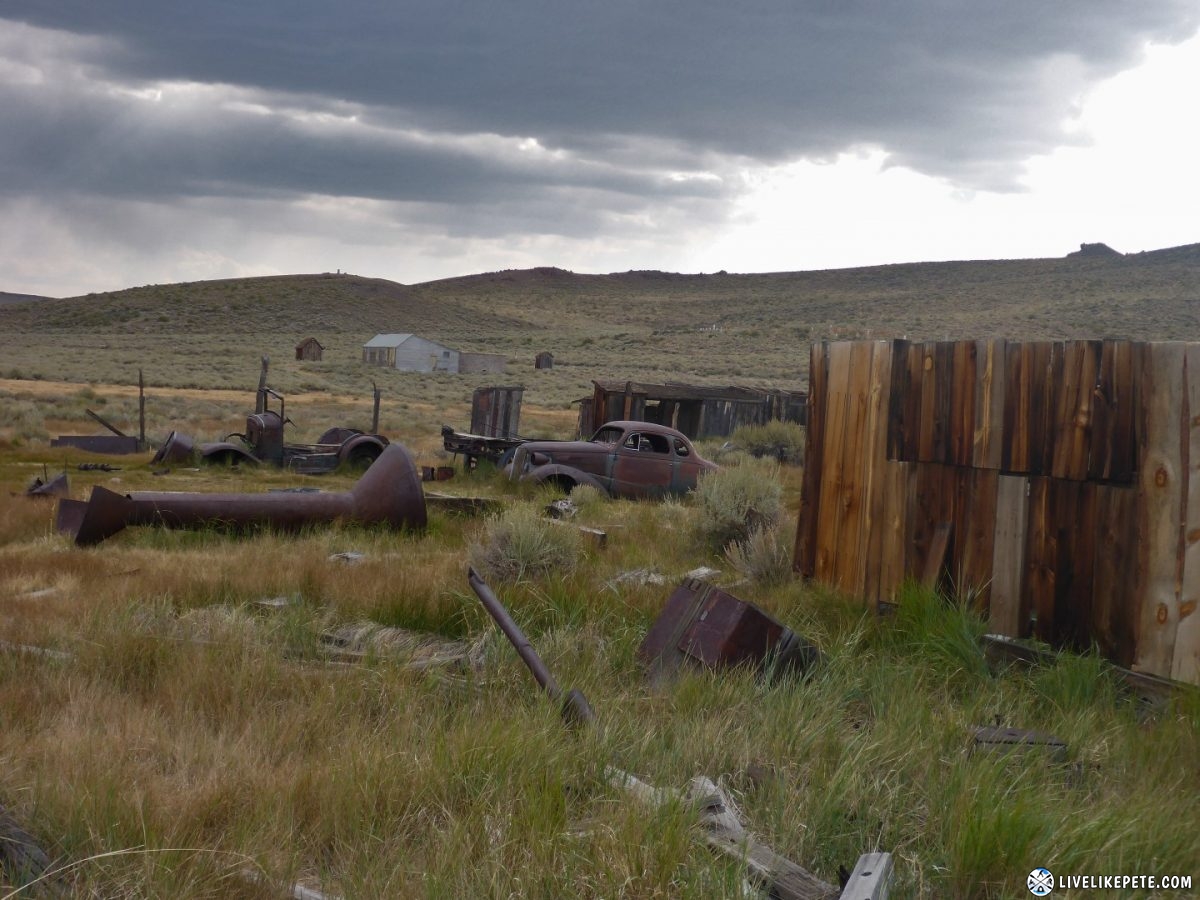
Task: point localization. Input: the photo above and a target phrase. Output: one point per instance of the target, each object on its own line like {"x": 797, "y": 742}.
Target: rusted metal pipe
{"x": 575, "y": 708}
{"x": 389, "y": 493}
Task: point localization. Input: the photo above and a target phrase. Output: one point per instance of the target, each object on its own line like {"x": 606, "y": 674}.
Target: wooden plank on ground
{"x": 989, "y": 404}
{"x": 935, "y": 561}
{"x": 1185, "y": 665}
{"x": 1162, "y": 477}
{"x": 871, "y": 878}
{"x": 1008, "y": 555}
{"x": 804, "y": 555}
{"x": 828, "y": 520}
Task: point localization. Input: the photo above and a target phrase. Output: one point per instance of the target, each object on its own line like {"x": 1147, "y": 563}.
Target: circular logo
{"x": 1040, "y": 882}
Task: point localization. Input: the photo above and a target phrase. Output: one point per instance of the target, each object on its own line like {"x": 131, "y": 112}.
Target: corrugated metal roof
{"x": 387, "y": 340}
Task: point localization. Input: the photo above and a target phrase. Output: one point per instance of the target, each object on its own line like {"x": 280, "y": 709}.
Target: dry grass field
{"x": 181, "y": 733}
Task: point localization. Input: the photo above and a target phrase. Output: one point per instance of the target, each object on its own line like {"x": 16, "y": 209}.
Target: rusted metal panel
{"x": 389, "y": 493}
{"x": 108, "y": 444}
{"x": 703, "y": 625}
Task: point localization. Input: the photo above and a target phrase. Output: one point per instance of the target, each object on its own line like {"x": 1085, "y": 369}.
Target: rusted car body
{"x": 623, "y": 459}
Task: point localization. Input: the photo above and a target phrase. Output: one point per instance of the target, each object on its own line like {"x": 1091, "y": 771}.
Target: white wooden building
{"x": 412, "y": 353}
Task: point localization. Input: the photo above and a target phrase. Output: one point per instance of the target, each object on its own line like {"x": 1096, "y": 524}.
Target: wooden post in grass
{"x": 141, "y": 411}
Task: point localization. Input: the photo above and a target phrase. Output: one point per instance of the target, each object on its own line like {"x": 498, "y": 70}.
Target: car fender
{"x": 226, "y": 452}
{"x": 361, "y": 440}
{"x": 550, "y": 471}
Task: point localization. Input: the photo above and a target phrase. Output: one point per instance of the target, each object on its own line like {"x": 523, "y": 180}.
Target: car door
{"x": 643, "y": 465}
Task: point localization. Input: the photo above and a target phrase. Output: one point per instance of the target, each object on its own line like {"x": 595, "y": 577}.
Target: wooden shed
{"x": 309, "y": 349}
{"x": 544, "y": 360}
{"x": 697, "y": 411}
{"x": 1055, "y": 484}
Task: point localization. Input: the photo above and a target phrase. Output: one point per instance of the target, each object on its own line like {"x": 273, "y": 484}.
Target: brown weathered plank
{"x": 990, "y": 382}
{"x": 962, "y": 403}
{"x": 1064, "y": 390}
{"x": 804, "y": 555}
{"x": 895, "y": 519}
{"x": 1124, "y": 412}
{"x": 927, "y": 432}
{"x": 1018, "y": 406}
{"x": 874, "y": 474}
{"x": 1073, "y": 505}
{"x": 1041, "y": 556}
{"x": 912, "y": 402}
{"x": 1185, "y": 665}
{"x": 935, "y": 561}
{"x": 1161, "y": 479}
{"x": 830, "y": 475}
{"x": 1045, "y": 370}
{"x": 900, "y": 423}
{"x": 849, "y": 567}
{"x": 1113, "y": 619}
{"x": 943, "y": 396}
{"x": 976, "y": 534}
{"x": 1008, "y": 555}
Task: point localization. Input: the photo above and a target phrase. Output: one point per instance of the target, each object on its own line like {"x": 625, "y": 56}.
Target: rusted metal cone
{"x": 389, "y": 493}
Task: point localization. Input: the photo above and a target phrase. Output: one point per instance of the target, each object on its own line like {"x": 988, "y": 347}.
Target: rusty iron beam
{"x": 389, "y": 493}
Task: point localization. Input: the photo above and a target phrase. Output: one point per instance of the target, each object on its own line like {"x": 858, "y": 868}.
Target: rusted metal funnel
{"x": 389, "y": 493}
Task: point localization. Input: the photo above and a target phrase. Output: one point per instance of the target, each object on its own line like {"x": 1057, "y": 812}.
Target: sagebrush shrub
{"x": 521, "y": 544}
{"x": 783, "y": 441}
{"x": 763, "y": 557}
{"x": 736, "y": 501}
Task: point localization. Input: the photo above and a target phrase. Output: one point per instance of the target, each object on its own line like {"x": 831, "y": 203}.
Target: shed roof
{"x": 387, "y": 340}
{"x": 310, "y": 340}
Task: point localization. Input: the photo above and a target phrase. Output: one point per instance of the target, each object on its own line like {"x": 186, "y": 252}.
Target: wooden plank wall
{"x": 1062, "y": 473}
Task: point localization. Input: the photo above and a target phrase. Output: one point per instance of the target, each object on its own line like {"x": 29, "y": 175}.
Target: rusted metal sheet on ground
{"x": 389, "y": 493}
{"x": 703, "y": 625}
{"x": 58, "y": 486}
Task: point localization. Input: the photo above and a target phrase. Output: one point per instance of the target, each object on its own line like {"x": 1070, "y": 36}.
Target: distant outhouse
{"x": 310, "y": 349}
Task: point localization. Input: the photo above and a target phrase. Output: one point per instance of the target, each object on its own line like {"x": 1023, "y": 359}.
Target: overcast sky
{"x": 153, "y": 141}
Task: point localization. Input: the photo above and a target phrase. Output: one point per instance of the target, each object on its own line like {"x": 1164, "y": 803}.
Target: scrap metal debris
{"x": 998, "y": 739}
{"x": 349, "y": 557}
{"x": 97, "y": 467}
{"x": 389, "y": 493}
{"x": 703, "y": 625}
{"x": 58, "y": 486}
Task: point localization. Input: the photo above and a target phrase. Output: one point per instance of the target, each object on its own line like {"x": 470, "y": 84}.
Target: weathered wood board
{"x": 1055, "y": 483}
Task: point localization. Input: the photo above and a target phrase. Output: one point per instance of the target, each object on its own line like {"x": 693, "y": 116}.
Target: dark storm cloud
{"x": 958, "y": 89}
{"x": 486, "y": 119}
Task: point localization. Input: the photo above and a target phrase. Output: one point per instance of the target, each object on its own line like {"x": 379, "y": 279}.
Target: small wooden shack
{"x": 309, "y": 349}
{"x": 697, "y": 411}
{"x": 544, "y": 360}
{"x": 1057, "y": 484}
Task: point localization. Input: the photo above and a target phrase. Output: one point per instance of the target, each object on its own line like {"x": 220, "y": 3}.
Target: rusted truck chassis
{"x": 263, "y": 442}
